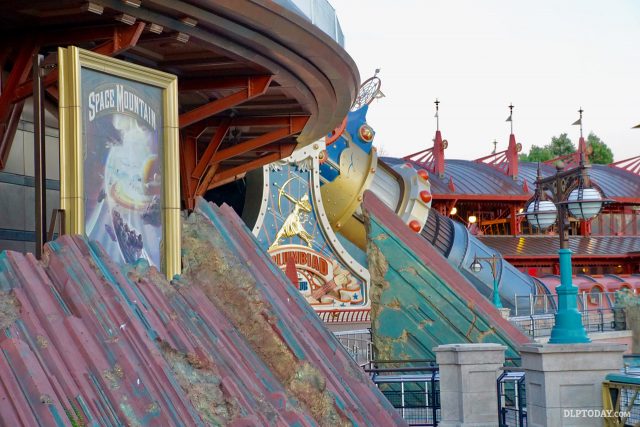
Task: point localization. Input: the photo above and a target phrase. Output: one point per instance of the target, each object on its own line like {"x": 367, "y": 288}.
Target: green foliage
{"x": 627, "y": 299}
{"x": 601, "y": 153}
{"x": 537, "y": 154}
{"x": 561, "y": 146}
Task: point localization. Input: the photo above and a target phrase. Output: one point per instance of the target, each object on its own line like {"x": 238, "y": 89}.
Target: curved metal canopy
{"x": 256, "y": 78}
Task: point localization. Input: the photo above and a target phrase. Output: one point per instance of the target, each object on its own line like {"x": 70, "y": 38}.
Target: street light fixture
{"x": 476, "y": 267}
{"x": 570, "y": 192}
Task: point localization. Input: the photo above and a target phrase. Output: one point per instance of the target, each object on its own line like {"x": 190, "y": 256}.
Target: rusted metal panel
{"x": 230, "y": 342}
{"x": 419, "y": 300}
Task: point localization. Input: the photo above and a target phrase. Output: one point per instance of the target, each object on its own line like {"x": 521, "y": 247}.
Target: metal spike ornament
{"x": 579, "y": 121}
{"x": 510, "y": 118}
{"x": 437, "y": 116}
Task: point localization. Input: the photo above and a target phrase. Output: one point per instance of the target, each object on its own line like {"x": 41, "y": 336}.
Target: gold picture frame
{"x": 129, "y": 117}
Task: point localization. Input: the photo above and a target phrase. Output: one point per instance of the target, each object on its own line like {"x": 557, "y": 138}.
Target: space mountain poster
{"x": 122, "y": 147}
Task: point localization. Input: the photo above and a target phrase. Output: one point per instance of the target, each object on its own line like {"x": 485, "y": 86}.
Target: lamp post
{"x": 476, "y": 267}
{"x": 570, "y": 192}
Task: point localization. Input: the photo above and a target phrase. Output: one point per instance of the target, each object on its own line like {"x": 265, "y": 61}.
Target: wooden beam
{"x": 9, "y": 132}
{"x": 122, "y": 39}
{"x": 229, "y": 173}
{"x": 211, "y": 149}
{"x": 206, "y": 180}
{"x": 187, "y": 164}
{"x": 215, "y": 83}
{"x": 256, "y": 86}
{"x": 9, "y": 109}
{"x": 296, "y": 124}
{"x": 262, "y": 121}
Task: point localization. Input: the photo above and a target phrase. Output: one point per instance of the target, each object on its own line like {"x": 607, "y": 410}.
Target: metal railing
{"x": 621, "y": 403}
{"x": 539, "y": 319}
{"x": 320, "y": 13}
{"x": 358, "y": 344}
{"x": 528, "y": 305}
{"x": 540, "y": 325}
{"x": 413, "y": 391}
{"x": 621, "y": 394}
{"x": 512, "y": 402}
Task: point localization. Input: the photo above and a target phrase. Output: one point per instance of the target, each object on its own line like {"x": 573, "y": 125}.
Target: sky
{"x": 547, "y": 57}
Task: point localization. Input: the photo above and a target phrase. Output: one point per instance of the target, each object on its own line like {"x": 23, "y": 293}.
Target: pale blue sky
{"x": 547, "y": 57}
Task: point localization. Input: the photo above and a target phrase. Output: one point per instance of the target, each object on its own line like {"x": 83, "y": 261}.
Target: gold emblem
{"x": 294, "y": 224}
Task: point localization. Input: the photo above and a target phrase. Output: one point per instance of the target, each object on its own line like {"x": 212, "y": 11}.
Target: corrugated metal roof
{"x": 614, "y": 182}
{"x": 549, "y": 245}
{"x": 480, "y": 179}
{"x": 419, "y": 300}
{"x": 470, "y": 178}
{"x": 229, "y": 342}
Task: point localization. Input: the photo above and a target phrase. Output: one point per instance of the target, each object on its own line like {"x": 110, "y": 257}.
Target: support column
{"x": 468, "y": 388}
{"x": 39, "y": 156}
{"x": 564, "y": 381}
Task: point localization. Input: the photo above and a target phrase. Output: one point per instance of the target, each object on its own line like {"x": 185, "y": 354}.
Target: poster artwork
{"x": 122, "y": 145}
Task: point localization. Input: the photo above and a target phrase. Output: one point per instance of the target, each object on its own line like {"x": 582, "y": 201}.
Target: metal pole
{"x": 568, "y": 328}
{"x": 39, "y": 156}
{"x": 546, "y": 303}
{"x": 496, "y": 292}
{"x": 402, "y": 395}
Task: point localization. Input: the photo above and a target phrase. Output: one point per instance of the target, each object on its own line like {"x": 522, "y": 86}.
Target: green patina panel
{"x": 414, "y": 309}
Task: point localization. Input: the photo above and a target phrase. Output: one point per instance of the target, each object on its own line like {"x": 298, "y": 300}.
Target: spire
{"x": 582, "y": 155}
{"x": 510, "y": 118}
{"x": 579, "y": 121}
{"x": 438, "y": 146}
{"x": 513, "y": 149}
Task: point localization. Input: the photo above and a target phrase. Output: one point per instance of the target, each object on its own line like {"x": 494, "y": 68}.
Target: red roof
{"x": 87, "y": 341}
{"x": 477, "y": 180}
{"x": 526, "y": 246}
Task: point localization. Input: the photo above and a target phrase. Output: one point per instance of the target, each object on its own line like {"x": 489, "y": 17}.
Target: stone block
{"x": 470, "y": 354}
{"x": 561, "y": 377}
{"x": 468, "y": 388}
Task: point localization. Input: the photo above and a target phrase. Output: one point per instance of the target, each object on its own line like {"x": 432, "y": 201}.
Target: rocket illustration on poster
{"x": 122, "y": 146}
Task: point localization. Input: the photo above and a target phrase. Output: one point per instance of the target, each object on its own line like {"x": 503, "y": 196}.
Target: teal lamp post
{"x": 570, "y": 192}
{"x": 476, "y": 267}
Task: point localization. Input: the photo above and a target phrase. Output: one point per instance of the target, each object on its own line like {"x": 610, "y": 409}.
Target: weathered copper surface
{"x": 230, "y": 342}
{"x": 419, "y": 300}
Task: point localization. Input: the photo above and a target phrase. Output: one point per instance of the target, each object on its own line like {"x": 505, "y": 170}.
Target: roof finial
{"x": 579, "y": 121}
{"x": 437, "y": 116}
{"x": 495, "y": 146}
{"x": 510, "y": 118}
